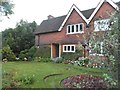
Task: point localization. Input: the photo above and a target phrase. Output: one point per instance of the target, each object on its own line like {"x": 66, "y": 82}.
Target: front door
{"x": 55, "y": 52}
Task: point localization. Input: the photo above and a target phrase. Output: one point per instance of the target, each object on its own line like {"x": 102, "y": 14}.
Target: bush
{"x": 10, "y": 81}
{"x": 86, "y": 61}
{"x": 27, "y": 54}
{"x": 70, "y": 56}
{"x": 8, "y": 54}
{"x": 43, "y": 52}
{"x": 23, "y": 54}
{"x": 26, "y": 80}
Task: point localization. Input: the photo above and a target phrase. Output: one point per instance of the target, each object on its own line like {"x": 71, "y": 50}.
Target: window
{"x": 97, "y": 48}
{"x": 75, "y": 28}
{"x": 68, "y": 29}
{"x": 102, "y": 25}
{"x": 81, "y": 27}
{"x": 68, "y": 48}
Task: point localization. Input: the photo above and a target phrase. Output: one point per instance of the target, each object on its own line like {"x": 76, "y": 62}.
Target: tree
{"x": 6, "y": 7}
{"x": 111, "y": 41}
{"x": 21, "y": 37}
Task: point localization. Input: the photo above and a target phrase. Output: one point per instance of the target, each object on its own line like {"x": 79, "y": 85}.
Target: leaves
{"x": 21, "y": 37}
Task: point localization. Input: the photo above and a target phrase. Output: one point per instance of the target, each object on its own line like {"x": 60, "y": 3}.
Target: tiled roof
{"x": 88, "y": 12}
{"x": 50, "y": 25}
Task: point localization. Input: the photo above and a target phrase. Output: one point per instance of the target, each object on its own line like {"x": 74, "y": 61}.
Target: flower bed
{"x": 84, "y": 81}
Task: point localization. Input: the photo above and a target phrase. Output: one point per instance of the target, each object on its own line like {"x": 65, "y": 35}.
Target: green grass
{"x": 40, "y": 70}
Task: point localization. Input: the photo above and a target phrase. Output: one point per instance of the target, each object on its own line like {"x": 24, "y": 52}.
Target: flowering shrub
{"x": 84, "y": 81}
{"x": 81, "y": 61}
{"x": 113, "y": 83}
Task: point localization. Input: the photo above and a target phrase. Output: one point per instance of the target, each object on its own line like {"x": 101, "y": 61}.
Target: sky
{"x": 38, "y": 10}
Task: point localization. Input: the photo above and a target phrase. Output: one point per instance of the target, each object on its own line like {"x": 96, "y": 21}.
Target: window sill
{"x": 75, "y": 33}
{"x": 69, "y": 51}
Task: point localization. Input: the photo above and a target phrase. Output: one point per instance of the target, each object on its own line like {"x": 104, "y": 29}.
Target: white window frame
{"x": 101, "y": 50}
{"x": 67, "y": 48}
{"x": 100, "y": 27}
{"x": 75, "y": 31}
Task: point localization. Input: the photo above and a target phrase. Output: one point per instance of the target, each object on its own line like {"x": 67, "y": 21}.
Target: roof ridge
{"x": 54, "y": 18}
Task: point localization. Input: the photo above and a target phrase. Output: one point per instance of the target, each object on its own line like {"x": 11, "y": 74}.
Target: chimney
{"x": 50, "y": 17}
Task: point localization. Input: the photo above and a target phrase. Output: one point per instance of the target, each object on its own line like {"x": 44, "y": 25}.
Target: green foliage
{"x": 110, "y": 80}
{"x": 27, "y": 53}
{"x": 8, "y": 54}
{"x": 23, "y": 54}
{"x": 21, "y": 37}
{"x": 7, "y": 7}
{"x": 86, "y": 61}
{"x": 73, "y": 55}
{"x": 10, "y": 81}
{"x": 43, "y": 52}
{"x": 111, "y": 40}
{"x": 26, "y": 79}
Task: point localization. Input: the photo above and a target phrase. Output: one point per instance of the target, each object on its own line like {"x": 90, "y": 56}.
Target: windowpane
{"x": 81, "y": 28}
{"x": 76, "y": 28}
{"x": 68, "y": 29}
{"x": 68, "y": 48}
{"x": 72, "y": 28}
{"x": 72, "y": 48}
{"x": 65, "y": 48}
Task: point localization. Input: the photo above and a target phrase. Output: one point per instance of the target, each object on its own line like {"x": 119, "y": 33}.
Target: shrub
{"x": 97, "y": 62}
{"x": 23, "y": 54}
{"x": 43, "y": 52}
{"x": 26, "y": 79}
{"x": 70, "y": 56}
{"x": 27, "y": 53}
{"x": 86, "y": 61}
{"x": 9, "y": 80}
{"x": 8, "y": 54}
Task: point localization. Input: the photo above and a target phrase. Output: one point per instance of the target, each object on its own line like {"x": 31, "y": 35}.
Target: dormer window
{"x": 75, "y": 28}
{"x": 102, "y": 25}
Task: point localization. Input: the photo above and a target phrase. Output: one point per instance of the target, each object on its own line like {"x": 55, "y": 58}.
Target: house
{"x": 64, "y": 33}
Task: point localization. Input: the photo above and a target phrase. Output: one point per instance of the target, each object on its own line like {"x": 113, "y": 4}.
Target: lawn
{"x": 40, "y": 69}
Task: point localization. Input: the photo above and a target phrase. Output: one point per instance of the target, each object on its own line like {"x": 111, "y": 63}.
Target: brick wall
{"x": 61, "y": 37}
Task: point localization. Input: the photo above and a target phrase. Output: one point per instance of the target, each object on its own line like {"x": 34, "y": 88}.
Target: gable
{"x": 104, "y": 11}
{"x": 109, "y": 4}
{"x": 76, "y": 16}
{"x": 74, "y": 7}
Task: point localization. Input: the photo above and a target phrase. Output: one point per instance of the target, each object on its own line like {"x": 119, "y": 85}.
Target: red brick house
{"x": 64, "y": 33}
